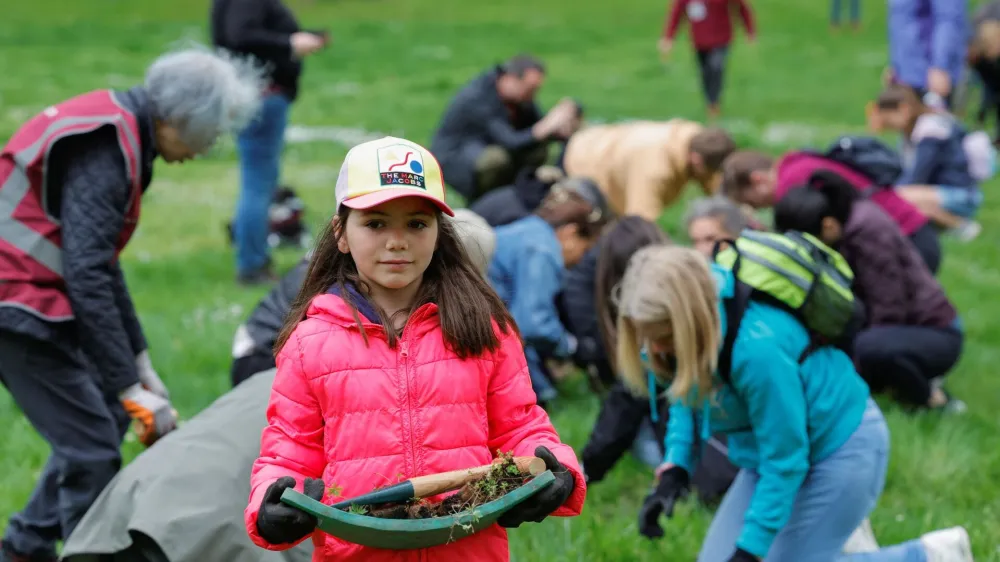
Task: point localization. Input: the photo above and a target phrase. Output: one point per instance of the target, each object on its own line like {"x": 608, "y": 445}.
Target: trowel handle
{"x": 433, "y": 484}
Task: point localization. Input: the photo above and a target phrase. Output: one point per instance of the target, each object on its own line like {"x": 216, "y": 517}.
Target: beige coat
{"x": 641, "y": 166}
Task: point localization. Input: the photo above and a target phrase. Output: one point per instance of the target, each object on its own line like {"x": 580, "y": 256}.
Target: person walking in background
{"x": 927, "y": 44}
{"x": 266, "y": 30}
{"x": 711, "y": 32}
{"x": 74, "y": 357}
{"x": 837, "y": 8}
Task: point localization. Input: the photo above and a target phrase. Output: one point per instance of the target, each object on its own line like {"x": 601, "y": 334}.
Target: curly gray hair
{"x": 204, "y": 93}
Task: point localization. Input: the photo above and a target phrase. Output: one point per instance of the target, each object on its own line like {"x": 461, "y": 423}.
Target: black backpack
{"x": 869, "y": 157}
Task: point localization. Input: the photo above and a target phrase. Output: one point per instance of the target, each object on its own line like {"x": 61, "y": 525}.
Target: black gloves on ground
{"x": 673, "y": 485}
{"x": 549, "y": 499}
{"x": 743, "y": 556}
{"x": 279, "y": 523}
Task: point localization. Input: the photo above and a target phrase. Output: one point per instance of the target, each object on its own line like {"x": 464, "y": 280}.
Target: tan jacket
{"x": 641, "y": 166}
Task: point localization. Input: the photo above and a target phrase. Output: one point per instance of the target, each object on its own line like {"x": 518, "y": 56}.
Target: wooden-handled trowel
{"x": 433, "y": 484}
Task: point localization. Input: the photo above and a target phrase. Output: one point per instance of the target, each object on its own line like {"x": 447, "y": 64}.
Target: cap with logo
{"x": 388, "y": 168}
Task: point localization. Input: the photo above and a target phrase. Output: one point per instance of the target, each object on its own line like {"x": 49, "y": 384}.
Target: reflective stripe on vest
{"x": 17, "y": 184}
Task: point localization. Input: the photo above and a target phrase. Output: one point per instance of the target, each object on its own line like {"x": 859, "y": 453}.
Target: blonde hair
{"x": 670, "y": 284}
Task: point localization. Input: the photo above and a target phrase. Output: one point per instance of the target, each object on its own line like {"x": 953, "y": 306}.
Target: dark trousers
{"x": 928, "y": 245}
{"x": 61, "y": 396}
{"x": 904, "y": 360}
{"x": 615, "y": 429}
{"x": 246, "y": 367}
{"x": 712, "y": 63}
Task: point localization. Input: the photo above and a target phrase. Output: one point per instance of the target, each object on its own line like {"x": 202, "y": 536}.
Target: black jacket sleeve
{"x": 246, "y": 27}
{"x": 93, "y": 182}
{"x": 130, "y": 319}
{"x": 578, "y": 301}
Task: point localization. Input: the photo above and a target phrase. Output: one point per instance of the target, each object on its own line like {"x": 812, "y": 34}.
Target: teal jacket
{"x": 780, "y": 417}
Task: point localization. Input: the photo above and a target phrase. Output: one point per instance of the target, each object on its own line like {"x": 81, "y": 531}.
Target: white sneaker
{"x": 861, "y": 540}
{"x": 948, "y": 545}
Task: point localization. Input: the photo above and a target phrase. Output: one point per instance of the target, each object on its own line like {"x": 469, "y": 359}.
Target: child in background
{"x": 936, "y": 175}
{"x": 397, "y": 360}
{"x": 711, "y": 33}
{"x": 529, "y": 268}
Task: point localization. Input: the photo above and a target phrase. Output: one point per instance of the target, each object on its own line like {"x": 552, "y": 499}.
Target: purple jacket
{"x": 925, "y": 34}
{"x": 890, "y": 277}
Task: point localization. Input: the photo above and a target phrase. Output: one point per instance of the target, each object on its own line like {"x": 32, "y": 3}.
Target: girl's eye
{"x": 418, "y": 224}
{"x": 374, "y": 224}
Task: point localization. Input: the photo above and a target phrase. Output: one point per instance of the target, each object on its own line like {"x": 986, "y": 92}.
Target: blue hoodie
{"x": 925, "y": 34}
{"x": 781, "y": 418}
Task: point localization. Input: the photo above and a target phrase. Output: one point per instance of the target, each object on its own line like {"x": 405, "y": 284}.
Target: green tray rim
{"x": 496, "y": 508}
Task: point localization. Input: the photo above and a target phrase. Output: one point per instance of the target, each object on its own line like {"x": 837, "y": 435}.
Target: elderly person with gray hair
{"x": 74, "y": 354}
{"x": 711, "y": 219}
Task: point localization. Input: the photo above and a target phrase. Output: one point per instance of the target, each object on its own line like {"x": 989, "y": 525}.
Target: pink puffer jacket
{"x": 363, "y": 417}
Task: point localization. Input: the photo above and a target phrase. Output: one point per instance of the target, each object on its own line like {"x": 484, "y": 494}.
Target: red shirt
{"x": 711, "y": 25}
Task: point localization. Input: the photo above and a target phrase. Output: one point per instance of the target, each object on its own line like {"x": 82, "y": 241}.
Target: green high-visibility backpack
{"x": 793, "y": 271}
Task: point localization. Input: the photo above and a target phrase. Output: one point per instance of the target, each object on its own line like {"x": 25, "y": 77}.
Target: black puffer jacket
{"x": 88, "y": 183}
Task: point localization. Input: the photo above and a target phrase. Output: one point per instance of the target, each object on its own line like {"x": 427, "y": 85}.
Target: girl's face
{"x": 704, "y": 232}
{"x": 392, "y": 244}
{"x": 658, "y": 339}
{"x": 898, "y": 119}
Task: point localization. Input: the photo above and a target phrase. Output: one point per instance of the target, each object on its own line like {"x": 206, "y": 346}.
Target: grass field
{"x": 391, "y": 69}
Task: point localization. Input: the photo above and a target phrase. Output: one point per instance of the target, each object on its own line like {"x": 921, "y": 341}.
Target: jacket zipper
{"x": 404, "y": 353}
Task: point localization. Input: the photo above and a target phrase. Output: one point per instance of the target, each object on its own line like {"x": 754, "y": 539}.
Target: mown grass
{"x": 392, "y": 68}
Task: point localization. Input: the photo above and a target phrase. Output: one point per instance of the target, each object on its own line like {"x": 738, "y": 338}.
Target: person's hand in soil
{"x": 552, "y": 497}
{"x": 672, "y": 485}
{"x": 280, "y": 523}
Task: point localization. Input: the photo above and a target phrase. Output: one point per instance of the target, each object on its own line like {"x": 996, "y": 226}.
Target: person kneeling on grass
{"x": 812, "y": 445}
{"x": 72, "y": 350}
{"x": 434, "y": 379}
{"x": 936, "y": 175}
{"x": 529, "y": 268}
{"x": 253, "y": 344}
{"x": 913, "y": 335}
{"x": 757, "y": 179}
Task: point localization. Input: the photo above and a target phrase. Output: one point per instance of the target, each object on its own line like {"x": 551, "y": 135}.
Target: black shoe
{"x": 264, "y": 275}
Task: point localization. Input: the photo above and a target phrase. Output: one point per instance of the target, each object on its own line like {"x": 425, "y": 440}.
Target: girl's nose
{"x": 396, "y": 241}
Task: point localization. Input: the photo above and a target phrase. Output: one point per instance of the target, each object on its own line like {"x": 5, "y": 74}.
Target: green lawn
{"x": 391, "y": 69}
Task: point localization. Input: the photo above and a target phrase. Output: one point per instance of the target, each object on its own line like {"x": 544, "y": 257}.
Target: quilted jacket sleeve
{"x": 292, "y": 442}
{"x": 90, "y": 173}
{"x": 519, "y": 425}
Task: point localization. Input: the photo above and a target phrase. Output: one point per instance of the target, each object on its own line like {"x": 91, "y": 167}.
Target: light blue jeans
{"x": 545, "y": 391}
{"x": 260, "y": 146}
{"x": 836, "y": 6}
{"x": 838, "y": 493}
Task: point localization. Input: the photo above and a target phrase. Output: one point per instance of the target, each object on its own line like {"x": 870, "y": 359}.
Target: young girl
{"x": 936, "y": 177}
{"x": 397, "y": 360}
{"x": 812, "y": 446}
{"x": 912, "y": 336}
{"x": 529, "y": 266}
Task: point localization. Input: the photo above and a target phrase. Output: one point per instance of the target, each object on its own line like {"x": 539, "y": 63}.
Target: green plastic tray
{"x": 407, "y": 534}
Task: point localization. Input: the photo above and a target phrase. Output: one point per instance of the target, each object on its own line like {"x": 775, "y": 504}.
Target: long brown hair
{"x": 466, "y": 303}
{"x": 626, "y": 237}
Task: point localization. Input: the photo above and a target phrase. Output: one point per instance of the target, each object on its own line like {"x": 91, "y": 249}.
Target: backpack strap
{"x": 734, "y": 307}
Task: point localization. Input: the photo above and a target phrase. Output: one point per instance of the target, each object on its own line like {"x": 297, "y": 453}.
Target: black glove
{"x": 672, "y": 486}
{"x": 743, "y": 556}
{"x": 551, "y": 498}
{"x": 280, "y": 523}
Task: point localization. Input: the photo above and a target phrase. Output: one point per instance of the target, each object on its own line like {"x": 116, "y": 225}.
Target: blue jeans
{"x": 836, "y": 8}
{"x": 259, "y": 147}
{"x": 836, "y": 496}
